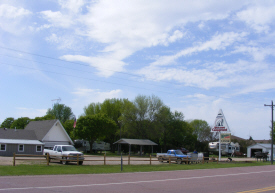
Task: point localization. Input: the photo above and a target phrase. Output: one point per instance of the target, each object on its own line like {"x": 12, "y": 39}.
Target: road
{"x": 225, "y": 180}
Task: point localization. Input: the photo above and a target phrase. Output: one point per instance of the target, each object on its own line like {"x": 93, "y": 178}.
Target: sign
{"x": 220, "y": 123}
{"x": 225, "y": 137}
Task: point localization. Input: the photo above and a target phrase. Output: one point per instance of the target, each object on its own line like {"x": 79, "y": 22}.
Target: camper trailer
{"x": 226, "y": 148}
{"x": 83, "y": 145}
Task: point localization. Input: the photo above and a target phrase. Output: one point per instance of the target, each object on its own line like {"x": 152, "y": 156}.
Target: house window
{"x": 38, "y": 148}
{"x": 2, "y": 147}
{"x": 20, "y": 147}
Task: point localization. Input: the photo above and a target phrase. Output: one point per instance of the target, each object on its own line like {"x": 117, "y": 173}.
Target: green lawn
{"x": 96, "y": 169}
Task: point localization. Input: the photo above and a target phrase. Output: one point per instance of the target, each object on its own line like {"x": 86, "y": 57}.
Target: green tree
{"x": 92, "y": 109}
{"x": 7, "y": 122}
{"x": 139, "y": 117}
{"x": 69, "y": 127}
{"x": 20, "y": 123}
{"x": 46, "y": 117}
{"x": 203, "y": 131}
{"x": 94, "y": 127}
{"x": 61, "y": 112}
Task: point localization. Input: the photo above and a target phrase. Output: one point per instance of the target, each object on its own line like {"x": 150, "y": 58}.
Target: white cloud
{"x": 105, "y": 64}
{"x": 258, "y": 53}
{"x": 74, "y": 6}
{"x": 217, "y": 42}
{"x": 125, "y": 27}
{"x": 11, "y": 19}
{"x": 58, "y": 19}
{"x": 11, "y": 12}
{"x": 258, "y": 17}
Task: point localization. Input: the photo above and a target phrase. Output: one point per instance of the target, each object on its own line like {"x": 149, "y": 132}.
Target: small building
{"x": 36, "y": 136}
{"x": 20, "y": 142}
{"x": 140, "y": 142}
{"x": 259, "y": 147}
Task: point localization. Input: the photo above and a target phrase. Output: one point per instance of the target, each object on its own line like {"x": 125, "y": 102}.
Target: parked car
{"x": 63, "y": 152}
{"x": 173, "y": 155}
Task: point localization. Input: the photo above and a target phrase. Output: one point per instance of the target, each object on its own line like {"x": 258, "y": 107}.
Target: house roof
{"x": 41, "y": 128}
{"x": 136, "y": 142}
{"x": 20, "y": 141}
{"x": 17, "y": 134}
{"x": 264, "y": 145}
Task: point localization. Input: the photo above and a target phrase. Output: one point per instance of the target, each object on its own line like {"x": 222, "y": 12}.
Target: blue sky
{"x": 196, "y": 56}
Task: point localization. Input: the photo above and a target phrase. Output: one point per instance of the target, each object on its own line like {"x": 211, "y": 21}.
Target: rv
{"x": 83, "y": 145}
{"x": 226, "y": 148}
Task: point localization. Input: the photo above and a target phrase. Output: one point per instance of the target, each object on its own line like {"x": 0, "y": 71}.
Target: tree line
{"x": 146, "y": 117}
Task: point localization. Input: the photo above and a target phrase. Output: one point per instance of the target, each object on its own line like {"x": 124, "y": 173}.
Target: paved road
{"x": 193, "y": 181}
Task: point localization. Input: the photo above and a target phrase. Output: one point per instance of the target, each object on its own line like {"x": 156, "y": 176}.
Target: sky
{"x": 197, "y": 56}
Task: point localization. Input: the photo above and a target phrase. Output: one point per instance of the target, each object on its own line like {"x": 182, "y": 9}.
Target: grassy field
{"x": 19, "y": 170}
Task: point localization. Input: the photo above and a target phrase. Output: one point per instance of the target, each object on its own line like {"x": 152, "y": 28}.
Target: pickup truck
{"x": 62, "y": 152}
{"x": 175, "y": 155}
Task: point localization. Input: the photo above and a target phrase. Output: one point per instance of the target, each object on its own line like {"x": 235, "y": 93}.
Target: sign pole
{"x": 220, "y": 146}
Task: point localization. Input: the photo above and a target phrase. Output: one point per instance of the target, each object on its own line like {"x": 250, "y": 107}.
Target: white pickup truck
{"x": 64, "y": 152}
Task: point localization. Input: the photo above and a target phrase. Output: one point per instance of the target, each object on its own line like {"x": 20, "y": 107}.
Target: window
{"x": 20, "y": 147}
{"x": 38, "y": 148}
{"x": 3, "y": 147}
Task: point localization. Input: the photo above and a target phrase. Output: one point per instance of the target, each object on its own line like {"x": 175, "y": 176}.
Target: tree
{"x": 139, "y": 117}
{"x": 46, "y": 117}
{"x": 92, "y": 109}
{"x": 203, "y": 131}
{"x": 20, "y": 123}
{"x": 7, "y": 122}
{"x": 61, "y": 112}
{"x": 69, "y": 127}
{"x": 94, "y": 127}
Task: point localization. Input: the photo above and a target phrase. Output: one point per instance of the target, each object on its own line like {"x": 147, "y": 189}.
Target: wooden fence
{"x": 129, "y": 159}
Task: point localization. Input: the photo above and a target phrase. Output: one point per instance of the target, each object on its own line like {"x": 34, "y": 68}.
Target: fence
{"x": 79, "y": 161}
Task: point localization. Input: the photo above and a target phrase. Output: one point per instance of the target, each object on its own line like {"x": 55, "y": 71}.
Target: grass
{"x": 20, "y": 170}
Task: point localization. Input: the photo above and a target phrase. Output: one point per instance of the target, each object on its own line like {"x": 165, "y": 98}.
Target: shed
{"x": 20, "y": 146}
{"x": 259, "y": 147}
{"x": 140, "y": 142}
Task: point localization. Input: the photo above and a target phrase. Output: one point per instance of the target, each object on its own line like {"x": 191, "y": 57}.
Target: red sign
{"x": 219, "y": 129}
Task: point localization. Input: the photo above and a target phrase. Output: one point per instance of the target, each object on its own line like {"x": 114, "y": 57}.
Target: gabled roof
{"x": 17, "y": 134}
{"x": 41, "y": 128}
{"x": 136, "y": 142}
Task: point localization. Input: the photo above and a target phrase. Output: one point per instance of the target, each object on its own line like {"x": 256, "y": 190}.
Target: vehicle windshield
{"x": 68, "y": 148}
{"x": 178, "y": 152}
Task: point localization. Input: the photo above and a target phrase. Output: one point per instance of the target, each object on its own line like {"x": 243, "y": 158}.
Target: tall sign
{"x": 220, "y": 123}
{"x": 220, "y": 126}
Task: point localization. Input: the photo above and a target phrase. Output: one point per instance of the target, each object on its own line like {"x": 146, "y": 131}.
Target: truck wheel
{"x": 64, "y": 162}
{"x": 179, "y": 161}
{"x": 81, "y": 162}
{"x": 160, "y": 159}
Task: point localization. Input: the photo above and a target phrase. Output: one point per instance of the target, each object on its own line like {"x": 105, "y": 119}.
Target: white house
{"x": 50, "y": 132}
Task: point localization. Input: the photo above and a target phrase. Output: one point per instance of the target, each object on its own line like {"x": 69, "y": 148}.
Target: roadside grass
{"x": 21, "y": 170}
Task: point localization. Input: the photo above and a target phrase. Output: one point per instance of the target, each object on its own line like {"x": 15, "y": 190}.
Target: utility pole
{"x": 271, "y": 130}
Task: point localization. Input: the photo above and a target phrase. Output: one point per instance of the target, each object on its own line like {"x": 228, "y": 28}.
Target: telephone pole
{"x": 271, "y": 157}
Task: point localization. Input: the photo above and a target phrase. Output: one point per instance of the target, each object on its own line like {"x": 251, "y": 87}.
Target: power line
{"x": 125, "y": 73}
{"x": 84, "y": 71}
{"x": 87, "y": 78}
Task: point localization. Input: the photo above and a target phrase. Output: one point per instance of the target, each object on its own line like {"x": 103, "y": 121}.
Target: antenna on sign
{"x": 57, "y": 100}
